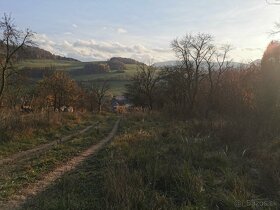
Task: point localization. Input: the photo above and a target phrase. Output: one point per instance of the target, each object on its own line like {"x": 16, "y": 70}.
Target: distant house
{"x": 118, "y": 101}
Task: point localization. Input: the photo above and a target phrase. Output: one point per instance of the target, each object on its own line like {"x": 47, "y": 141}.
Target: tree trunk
{"x": 99, "y": 108}
{"x": 99, "y": 105}
{"x": 150, "y": 102}
{"x": 3, "y": 81}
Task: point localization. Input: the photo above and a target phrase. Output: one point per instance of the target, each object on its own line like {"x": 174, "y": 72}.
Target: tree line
{"x": 206, "y": 84}
{"x": 203, "y": 84}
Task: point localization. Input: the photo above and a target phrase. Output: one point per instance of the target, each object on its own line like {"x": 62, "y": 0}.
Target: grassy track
{"x": 157, "y": 164}
{"x": 43, "y": 135}
{"x": 24, "y": 172}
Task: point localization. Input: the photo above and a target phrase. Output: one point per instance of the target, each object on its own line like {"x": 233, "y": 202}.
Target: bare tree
{"x": 217, "y": 64}
{"x": 11, "y": 41}
{"x": 201, "y": 63}
{"x": 174, "y": 85}
{"x": 99, "y": 92}
{"x": 143, "y": 87}
{"x": 192, "y": 50}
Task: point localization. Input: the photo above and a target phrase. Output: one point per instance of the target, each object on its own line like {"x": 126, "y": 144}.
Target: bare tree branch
{"x": 11, "y": 41}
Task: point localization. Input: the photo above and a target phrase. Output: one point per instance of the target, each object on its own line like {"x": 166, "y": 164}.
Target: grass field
{"x": 41, "y": 63}
{"x": 116, "y": 87}
{"x": 112, "y": 75}
{"x": 158, "y": 164}
{"x": 116, "y": 80}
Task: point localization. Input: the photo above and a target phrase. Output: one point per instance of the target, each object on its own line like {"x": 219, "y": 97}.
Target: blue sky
{"x": 143, "y": 29}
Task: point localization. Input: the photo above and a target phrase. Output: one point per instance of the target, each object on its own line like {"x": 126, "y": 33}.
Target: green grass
{"x": 156, "y": 164}
{"x": 116, "y": 87}
{"x": 14, "y": 177}
{"x": 117, "y": 80}
{"x": 130, "y": 70}
{"x": 41, "y": 63}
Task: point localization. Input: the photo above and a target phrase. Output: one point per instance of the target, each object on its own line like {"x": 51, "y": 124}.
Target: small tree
{"x": 99, "y": 92}
{"x": 142, "y": 90}
{"x": 174, "y": 85}
{"x": 11, "y": 41}
{"x": 59, "y": 90}
{"x": 15, "y": 90}
{"x": 199, "y": 74}
{"x": 217, "y": 64}
{"x": 192, "y": 50}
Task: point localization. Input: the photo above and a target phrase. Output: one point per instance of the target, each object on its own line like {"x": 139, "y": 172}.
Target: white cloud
{"x": 74, "y": 25}
{"x": 252, "y": 49}
{"x": 88, "y": 50}
{"x": 44, "y": 42}
{"x": 121, "y": 31}
{"x": 91, "y": 49}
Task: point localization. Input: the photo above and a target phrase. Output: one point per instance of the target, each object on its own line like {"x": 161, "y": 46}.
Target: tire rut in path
{"x": 40, "y": 148}
{"x": 16, "y": 201}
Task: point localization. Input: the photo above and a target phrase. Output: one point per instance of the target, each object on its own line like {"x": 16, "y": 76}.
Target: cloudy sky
{"x": 143, "y": 29}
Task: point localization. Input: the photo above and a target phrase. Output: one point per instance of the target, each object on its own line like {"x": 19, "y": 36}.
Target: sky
{"x": 143, "y": 29}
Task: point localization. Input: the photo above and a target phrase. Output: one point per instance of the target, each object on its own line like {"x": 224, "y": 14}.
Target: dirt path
{"x": 16, "y": 201}
{"x": 40, "y": 148}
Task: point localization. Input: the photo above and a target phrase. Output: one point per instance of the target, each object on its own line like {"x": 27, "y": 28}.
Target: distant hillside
{"x": 118, "y": 63}
{"x": 38, "y": 53}
{"x": 33, "y": 53}
{"x": 115, "y": 64}
{"x": 124, "y": 60}
{"x": 174, "y": 63}
{"x": 166, "y": 63}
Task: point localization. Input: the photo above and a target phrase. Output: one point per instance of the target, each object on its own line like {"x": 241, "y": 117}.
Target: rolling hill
{"x": 34, "y": 63}
{"x": 176, "y": 62}
{"x": 33, "y": 52}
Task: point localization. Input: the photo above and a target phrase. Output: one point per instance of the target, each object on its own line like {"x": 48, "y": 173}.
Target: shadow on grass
{"x": 78, "y": 189}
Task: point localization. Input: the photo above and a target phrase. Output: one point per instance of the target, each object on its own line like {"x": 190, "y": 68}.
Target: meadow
{"x": 41, "y": 63}
{"x": 116, "y": 79}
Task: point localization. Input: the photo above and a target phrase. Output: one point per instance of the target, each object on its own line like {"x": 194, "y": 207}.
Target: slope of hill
{"x": 166, "y": 63}
{"x": 36, "y": 69}
{"x": 34, "y": 63}
{"x": 175, "y": 62}
{"x": 32, "y": 52}
{"x": 125, "y": 60}
{"x": 38, "y": 53}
